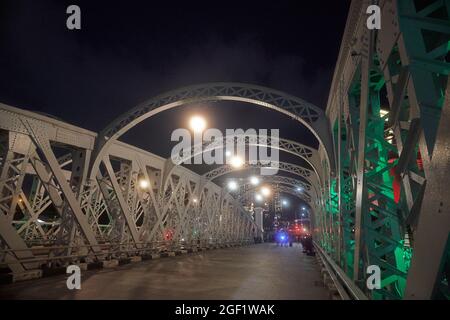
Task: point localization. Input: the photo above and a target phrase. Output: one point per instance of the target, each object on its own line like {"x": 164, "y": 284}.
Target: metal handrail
{"x": 111, "y": 244}
{"x": 110, "y": 251}
{"x": 341, "y": 280}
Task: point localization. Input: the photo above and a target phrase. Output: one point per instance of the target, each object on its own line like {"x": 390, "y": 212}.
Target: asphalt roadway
{"x": 262, "y": 271}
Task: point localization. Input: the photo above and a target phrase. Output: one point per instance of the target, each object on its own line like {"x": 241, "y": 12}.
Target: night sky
{"x": 130, "y": 51}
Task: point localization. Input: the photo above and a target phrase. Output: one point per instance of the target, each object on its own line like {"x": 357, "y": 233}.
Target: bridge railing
{"x": 345, "y": 286}
{"x": 54, "y": 255}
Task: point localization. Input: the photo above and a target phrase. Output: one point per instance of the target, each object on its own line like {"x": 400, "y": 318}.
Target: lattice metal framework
{"x": 389, "y": 108}
{"x": 47, "y": 199}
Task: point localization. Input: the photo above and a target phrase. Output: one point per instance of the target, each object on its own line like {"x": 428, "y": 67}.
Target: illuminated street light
{"x": 303, "y": 208}
{"x": 194, "y": 200}
{"x": 284, "y": 202}
{"x": 299, "y": 189}
{"x": 384, "y": 113}
{"x": 228, "y": 154}
{"x": 232, "y": 185}
{"x": 254, "y": 181}
{"x": 265, "y": 191}
{"x": 258, "y": 197}
{"x": 197, "y": 124}
{"x": 144, "y": 183}
{"x": 236, "y": 162}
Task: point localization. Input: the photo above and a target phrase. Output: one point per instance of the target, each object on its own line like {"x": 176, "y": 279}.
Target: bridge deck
{"x": 262, "y": 271}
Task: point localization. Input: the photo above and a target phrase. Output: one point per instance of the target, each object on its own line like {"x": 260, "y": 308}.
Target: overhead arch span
{"x": 310, "y": 155}
{"x": 306, "y": 113}
{"x": 284, "y": 189}
{"x": 306, "y": 174}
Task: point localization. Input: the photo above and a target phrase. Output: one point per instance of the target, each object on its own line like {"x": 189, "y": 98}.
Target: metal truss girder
{"x": 121, "y": 201}
{"x": 222, "y": 217}
{"x": 378, "y": 144}
{"x": 151, "y": 194}
{"x": 41, "y": 141}
{"x": 427, "y": 64}
{"x": 56, "y": 130}
{"x": 16, "y": 244}
{"x": 411, "y": 141}
{"x": 399, "y": 94}
{"x": 205, "y": 209}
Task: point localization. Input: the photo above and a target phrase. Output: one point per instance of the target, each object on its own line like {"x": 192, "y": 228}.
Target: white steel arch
{"x": 306, "y": 113}
{"x": 286, "y": 180}
{"x": 309, "y": 154}
{"x": 283, "y": 189}
{"x": 304, "y": 173}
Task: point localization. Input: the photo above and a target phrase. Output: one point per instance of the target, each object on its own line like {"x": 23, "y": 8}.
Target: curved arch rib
{"x": 308, "y": 154}
{"x": 283, "y": 166}
{"x": 295, "y": 183}
{"x": 310, "y": 182}
{"x": 281, "y": 187}
{"x": 285, "y": 189}
{"x": 306, "y": 113}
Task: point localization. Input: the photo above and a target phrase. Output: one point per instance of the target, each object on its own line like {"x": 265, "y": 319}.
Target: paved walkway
{"x": 262, "y": 271}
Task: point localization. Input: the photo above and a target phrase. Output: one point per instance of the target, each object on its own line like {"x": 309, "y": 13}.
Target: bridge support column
{"x": 259, "y": 222}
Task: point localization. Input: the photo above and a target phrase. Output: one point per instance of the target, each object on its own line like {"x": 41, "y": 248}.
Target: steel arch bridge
{"x": 69, "y": 195}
